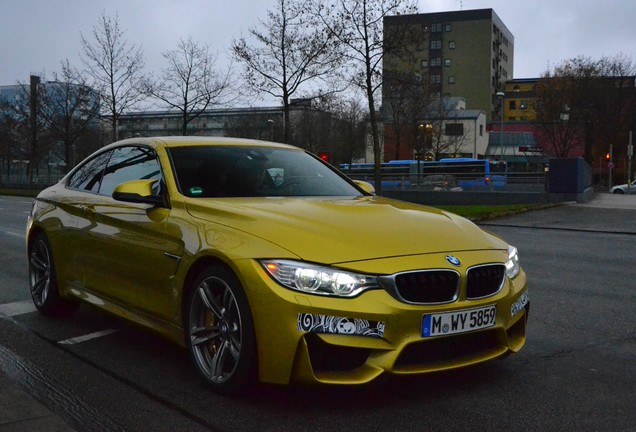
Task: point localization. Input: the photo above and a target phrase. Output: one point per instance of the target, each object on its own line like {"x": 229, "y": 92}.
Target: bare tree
{"x": 190, "y": 83}
{"x": 116, "y": 68}
{"x": 14, "y": 125}
{"x": 403, "y": 109}
{"x": 556, "y": 120}
{"x": 21, "y": 115}
{"x": 254, "y": 126}
{"x": 69, "y": 108}
{"x": 589, "y": 100}
{"x": 358, "y": 26}
{"x": 290, "y": 51}
{"x": 455, "y": 135}
{"x": 350, "y": 132}
{"x": 444, "y": 133}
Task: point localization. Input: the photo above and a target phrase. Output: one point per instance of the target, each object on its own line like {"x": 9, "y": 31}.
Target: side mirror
{"x": 137, "y": 191}
{"x": 367, "y": 187}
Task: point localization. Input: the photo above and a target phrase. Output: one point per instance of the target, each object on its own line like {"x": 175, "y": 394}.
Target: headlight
{"x": 314, "y": 279}
{"x": 512, "y": 265}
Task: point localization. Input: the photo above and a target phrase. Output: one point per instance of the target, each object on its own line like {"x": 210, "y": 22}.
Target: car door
{"x": 67, "y": 241}
{"x": 129, "y": 255}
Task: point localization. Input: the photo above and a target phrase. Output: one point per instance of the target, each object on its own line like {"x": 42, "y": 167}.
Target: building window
{"x": 437, "y": 61}
{"x": 447, "y": 62}
{"x": 454, "y": 129}
{"x": 424, "y": 64}
{"x": 436, "y": 79}
{"x": 524, "y": 104}
{"x": 448, "y": 27}
{"x": 451, "y": 44}
{"x": 436, "y": 44}
{"x": 436, "y": 28}
{"x": 451, "y": 79}
{"x": 512, "y": 104}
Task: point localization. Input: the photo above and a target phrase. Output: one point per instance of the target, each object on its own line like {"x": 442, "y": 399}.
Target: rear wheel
{"x": 618, "y": 191}
{"x": 43, "y": 280}
{"x": 220, "y": 331}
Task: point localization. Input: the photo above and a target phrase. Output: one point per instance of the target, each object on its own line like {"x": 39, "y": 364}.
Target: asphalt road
{"x": 577, "y": 371}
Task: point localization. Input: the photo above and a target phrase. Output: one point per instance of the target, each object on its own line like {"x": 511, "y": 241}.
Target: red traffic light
{"x": 324, "y": 156}
{"x": 608, "y": 156}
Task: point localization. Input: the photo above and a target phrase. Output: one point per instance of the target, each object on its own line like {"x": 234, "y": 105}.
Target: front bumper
{"x": 380, "y": 334}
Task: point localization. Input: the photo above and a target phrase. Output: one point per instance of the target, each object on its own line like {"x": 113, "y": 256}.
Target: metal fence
{"x": 514, "y": 181}
{"x": 22, "y": 181}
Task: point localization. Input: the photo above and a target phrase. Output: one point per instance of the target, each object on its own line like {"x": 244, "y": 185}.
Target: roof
{"x": 457, "y": 115}
{"x": 512, "y": 139}
{"x": 185, "y": 141}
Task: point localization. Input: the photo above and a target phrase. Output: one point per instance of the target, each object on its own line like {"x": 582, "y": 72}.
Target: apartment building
{"x": 468, "y": 54}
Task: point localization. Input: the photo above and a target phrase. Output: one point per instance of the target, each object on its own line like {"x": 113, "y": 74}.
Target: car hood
{"x": 338, "y": 230}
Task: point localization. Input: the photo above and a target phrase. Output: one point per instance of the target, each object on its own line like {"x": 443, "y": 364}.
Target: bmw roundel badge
{"x": 453, "y": 260}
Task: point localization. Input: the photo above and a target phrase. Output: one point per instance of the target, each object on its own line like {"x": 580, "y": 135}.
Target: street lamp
{"x": 501, "y": 95}
{"x": 271, "y": 129}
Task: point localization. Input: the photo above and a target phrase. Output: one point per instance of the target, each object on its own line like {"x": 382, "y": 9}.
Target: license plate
{"x": 462, "y": 321}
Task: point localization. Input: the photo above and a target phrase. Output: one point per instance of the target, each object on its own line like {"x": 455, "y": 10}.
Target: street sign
{"x": 610, "y": 165}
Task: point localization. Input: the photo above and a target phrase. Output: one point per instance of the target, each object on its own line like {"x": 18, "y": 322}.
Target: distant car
{"x": 623, "y": 189}
{"x": 440, "y": 182}
{"x": 267, "y": 263}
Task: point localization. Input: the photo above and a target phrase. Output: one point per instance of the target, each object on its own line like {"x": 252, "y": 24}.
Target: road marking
{"x": 17, "y": 308}
{"x": 87, "y": 337}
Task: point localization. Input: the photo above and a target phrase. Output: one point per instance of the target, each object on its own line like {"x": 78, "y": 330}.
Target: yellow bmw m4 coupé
{"x": 268, "y": 264}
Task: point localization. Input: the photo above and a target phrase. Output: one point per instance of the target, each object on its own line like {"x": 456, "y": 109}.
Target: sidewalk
{"x": 21, "y": 412}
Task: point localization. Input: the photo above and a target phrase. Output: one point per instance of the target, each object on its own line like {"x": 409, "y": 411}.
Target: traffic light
{"x": 324, "y": 156}
{"x": 608, "y": 157}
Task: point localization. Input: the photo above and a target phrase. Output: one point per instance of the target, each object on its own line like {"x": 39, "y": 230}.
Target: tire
{"x": 43, "y": 285}
{"x": 220, "y": 331}
{"x": 619, "y": 192}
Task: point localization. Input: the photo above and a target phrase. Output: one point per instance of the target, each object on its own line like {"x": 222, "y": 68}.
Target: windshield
{"x": 251, "y": 171}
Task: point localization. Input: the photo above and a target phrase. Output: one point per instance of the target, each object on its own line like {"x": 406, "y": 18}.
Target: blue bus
{"x": 468, "y": 173}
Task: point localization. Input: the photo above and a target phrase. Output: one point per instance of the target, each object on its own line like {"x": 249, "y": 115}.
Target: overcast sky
{"x": 36, "y": 35}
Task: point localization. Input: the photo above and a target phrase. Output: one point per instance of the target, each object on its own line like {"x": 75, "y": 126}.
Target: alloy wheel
{"x": 215, "y": 330}
{"x": 40, "y": 272}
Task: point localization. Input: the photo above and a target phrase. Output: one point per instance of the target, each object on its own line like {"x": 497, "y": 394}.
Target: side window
{"x": 88, "y": 177}
{"x": 129, "y": 163}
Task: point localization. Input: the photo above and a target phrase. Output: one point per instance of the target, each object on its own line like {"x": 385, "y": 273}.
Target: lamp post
{"x": 501, "y": 95}
{"x": 630, "y": 154}
{"x": 418, "y": 148}
{"x": 271, "y": 129}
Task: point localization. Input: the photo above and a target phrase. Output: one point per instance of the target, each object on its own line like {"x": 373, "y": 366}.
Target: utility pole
{"x": 630, "y": 153}
{"x": 610, "y": 165}
{"x": 35, "y": 83}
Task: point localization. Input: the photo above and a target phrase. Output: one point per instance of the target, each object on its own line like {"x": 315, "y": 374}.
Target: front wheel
{"x": 220, "y": 331}
{"x": 43, "y": 280}
{"x": 618, "y": 191}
